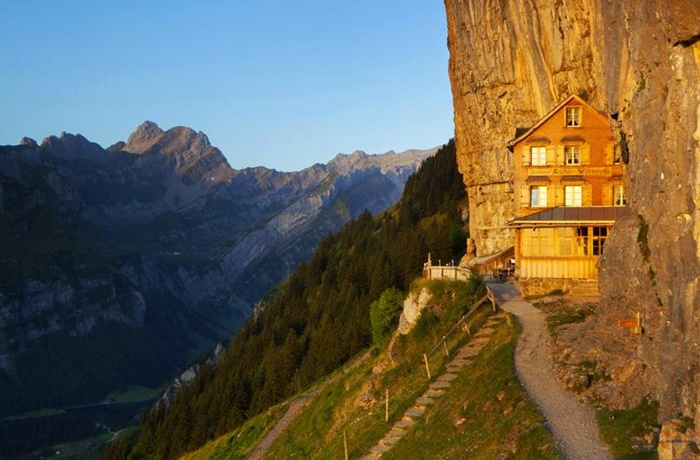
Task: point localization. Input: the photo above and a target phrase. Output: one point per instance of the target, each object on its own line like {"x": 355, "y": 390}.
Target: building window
{"x": 581, "y": 246}
{"x": 538, "y": 196}
{"x": 617, "y": 155}
{"x": 573, "y": 116}
{"x": 538, "y": 156}
{"x": 538, "y": 242}
{"x": 619, "y": 195}
{"x": 573, "y": 195}
{"x": 567, "y": 238}
{"x": 572, "y": 154}
{"x": 600, "y": 234}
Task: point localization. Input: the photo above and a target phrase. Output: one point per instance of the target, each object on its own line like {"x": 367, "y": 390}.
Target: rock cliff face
{"x": 638, "y": 61}
{"x": 156, "y": 241}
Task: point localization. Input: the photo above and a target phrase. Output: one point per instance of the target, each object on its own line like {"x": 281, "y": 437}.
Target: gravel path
{"x": 573, "y": 424}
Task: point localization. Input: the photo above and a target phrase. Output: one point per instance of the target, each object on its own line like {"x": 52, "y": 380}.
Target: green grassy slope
{"x": 484, "y": 414}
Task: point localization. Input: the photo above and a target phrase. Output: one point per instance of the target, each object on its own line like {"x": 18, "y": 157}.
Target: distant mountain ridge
{"x": 156, "y": 241}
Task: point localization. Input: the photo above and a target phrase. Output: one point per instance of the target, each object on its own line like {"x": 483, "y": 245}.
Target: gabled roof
{"x": 521, "y": 134}
{"x": 564, "y": 216}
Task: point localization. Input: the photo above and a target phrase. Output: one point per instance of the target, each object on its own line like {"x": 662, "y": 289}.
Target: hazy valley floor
{"x": 573, "y": 425}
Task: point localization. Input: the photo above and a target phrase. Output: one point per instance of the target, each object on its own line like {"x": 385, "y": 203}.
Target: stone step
{"x": 390, "y": 440}
{"x": 439, "y": 385}
{"x": 585, "y": 291}
{"x": 434, "y": 393}
{"x": 414, "y": 412}
{"x": 484, "y": 332}
{"x": 380, "y": 449}
{"x": 405, "y": 423}
{"x": 446, "y": 378}
{"x": 370, "y": 456}
{"x": 468, "y": 353}
{"x": 478, "y": 341}
{"x": 396, "y": 432}
{"x": 460, "y": 362}
{"x": 456, "y": 368}
{"x": 425, "y": 401}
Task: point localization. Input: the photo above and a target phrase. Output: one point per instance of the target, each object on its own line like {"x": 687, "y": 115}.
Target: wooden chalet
{"x": 569, "y": 190}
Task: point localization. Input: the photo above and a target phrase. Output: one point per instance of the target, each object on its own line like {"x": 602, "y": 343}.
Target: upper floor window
{"x": 619, "y": 198}
{"x": 538, "y": 196}
{"x": 538, "y": 156}
{"x": 573, "y": 195}
{"x": 572, "y": 154}
{"x": 573, "y": 116}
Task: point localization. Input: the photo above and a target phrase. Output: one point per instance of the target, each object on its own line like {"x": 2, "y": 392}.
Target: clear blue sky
{"x": 277, "y": 83}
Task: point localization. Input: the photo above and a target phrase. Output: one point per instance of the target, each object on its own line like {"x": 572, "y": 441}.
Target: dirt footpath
{"x": 573, "y": 424}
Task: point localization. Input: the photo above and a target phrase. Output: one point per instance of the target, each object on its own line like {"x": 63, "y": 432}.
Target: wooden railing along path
{"x": 487, "y": 297}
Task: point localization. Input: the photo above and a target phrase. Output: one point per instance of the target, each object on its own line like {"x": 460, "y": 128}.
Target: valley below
{"x": 122, "y": 266}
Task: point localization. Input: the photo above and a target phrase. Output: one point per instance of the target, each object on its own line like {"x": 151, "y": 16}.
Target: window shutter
{"x": 551, "y": 155}
{"x": 587, "y": 195}
{"x": 551, "y": 196}
{"x": 527, "y": 156}
{"x": 525, "y": 196}
{"x": 608, "y": 195}
{"x": 543, "y": 199}
{"x": 609, "y": 154}
{"x": 560, "y": 155}
{"x": 586, "y": 154}
{"x": 559, "y": 196}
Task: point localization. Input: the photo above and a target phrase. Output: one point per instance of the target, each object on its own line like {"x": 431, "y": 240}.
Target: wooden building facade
{"x": 569, "y": 190}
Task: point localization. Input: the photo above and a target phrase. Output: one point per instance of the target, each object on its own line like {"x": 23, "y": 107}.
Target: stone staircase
{"x": 436, "y": 389}
{"x": 585, "y": 289}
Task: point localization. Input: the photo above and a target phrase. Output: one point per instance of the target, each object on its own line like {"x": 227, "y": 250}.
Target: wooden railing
{"x": 487, "y": 297}
{"x": 448, "y": 272}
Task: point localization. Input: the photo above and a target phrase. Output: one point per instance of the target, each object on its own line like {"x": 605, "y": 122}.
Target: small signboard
{"x": 635, "y": 325}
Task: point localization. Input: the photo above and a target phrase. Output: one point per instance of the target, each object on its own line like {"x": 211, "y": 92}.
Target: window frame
{"x": 599, "y": 236}
{"x": 576, "y": 151}
{"x": 572, "y": 195}
{"x": 541, "y": 201}
{"x": 619, "y": 196}
{"x": 538, "y": 155}
{"x": 573, "y": 116}
{"x": 617, "y": 155}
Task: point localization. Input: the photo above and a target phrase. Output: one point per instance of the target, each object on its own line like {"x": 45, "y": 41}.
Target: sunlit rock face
{"x": 638, "y": 61}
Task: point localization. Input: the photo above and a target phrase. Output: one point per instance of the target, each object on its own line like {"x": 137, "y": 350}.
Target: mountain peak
{"x": 69, "y": 145}
{"x": 28, "y": 142}
{"x": 145, "y": 135}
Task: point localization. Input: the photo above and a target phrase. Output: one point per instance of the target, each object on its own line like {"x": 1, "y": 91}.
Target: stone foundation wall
{"x": 542, "y": 286}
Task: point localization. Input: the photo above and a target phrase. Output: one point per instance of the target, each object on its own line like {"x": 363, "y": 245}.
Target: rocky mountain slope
{"x": 118, "y": 265}
{"x": 638, "y": 61}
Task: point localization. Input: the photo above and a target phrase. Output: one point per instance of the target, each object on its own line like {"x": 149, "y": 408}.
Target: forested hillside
{"x": 318, "y": 319}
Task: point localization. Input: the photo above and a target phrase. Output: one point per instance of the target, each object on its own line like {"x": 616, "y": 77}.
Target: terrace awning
{"x": 565, "y": 216}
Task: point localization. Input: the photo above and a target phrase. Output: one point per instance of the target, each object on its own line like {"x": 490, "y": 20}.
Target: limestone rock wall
{"x": 511, "y": 61}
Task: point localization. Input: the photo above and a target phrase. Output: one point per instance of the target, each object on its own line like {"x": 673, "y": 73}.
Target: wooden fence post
{"x": 345, "y": 444}
{"x": 427, "y": 366}
{"x": 447, "y": 352}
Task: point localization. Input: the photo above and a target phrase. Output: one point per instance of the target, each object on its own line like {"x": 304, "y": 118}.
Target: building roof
{"x": 484, "y": 260}
{"x": 564, "y": 216}
{"x": 521, "y": 133}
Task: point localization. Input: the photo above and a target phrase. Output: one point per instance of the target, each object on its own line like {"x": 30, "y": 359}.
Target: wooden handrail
{"x": 489, "y": 296}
